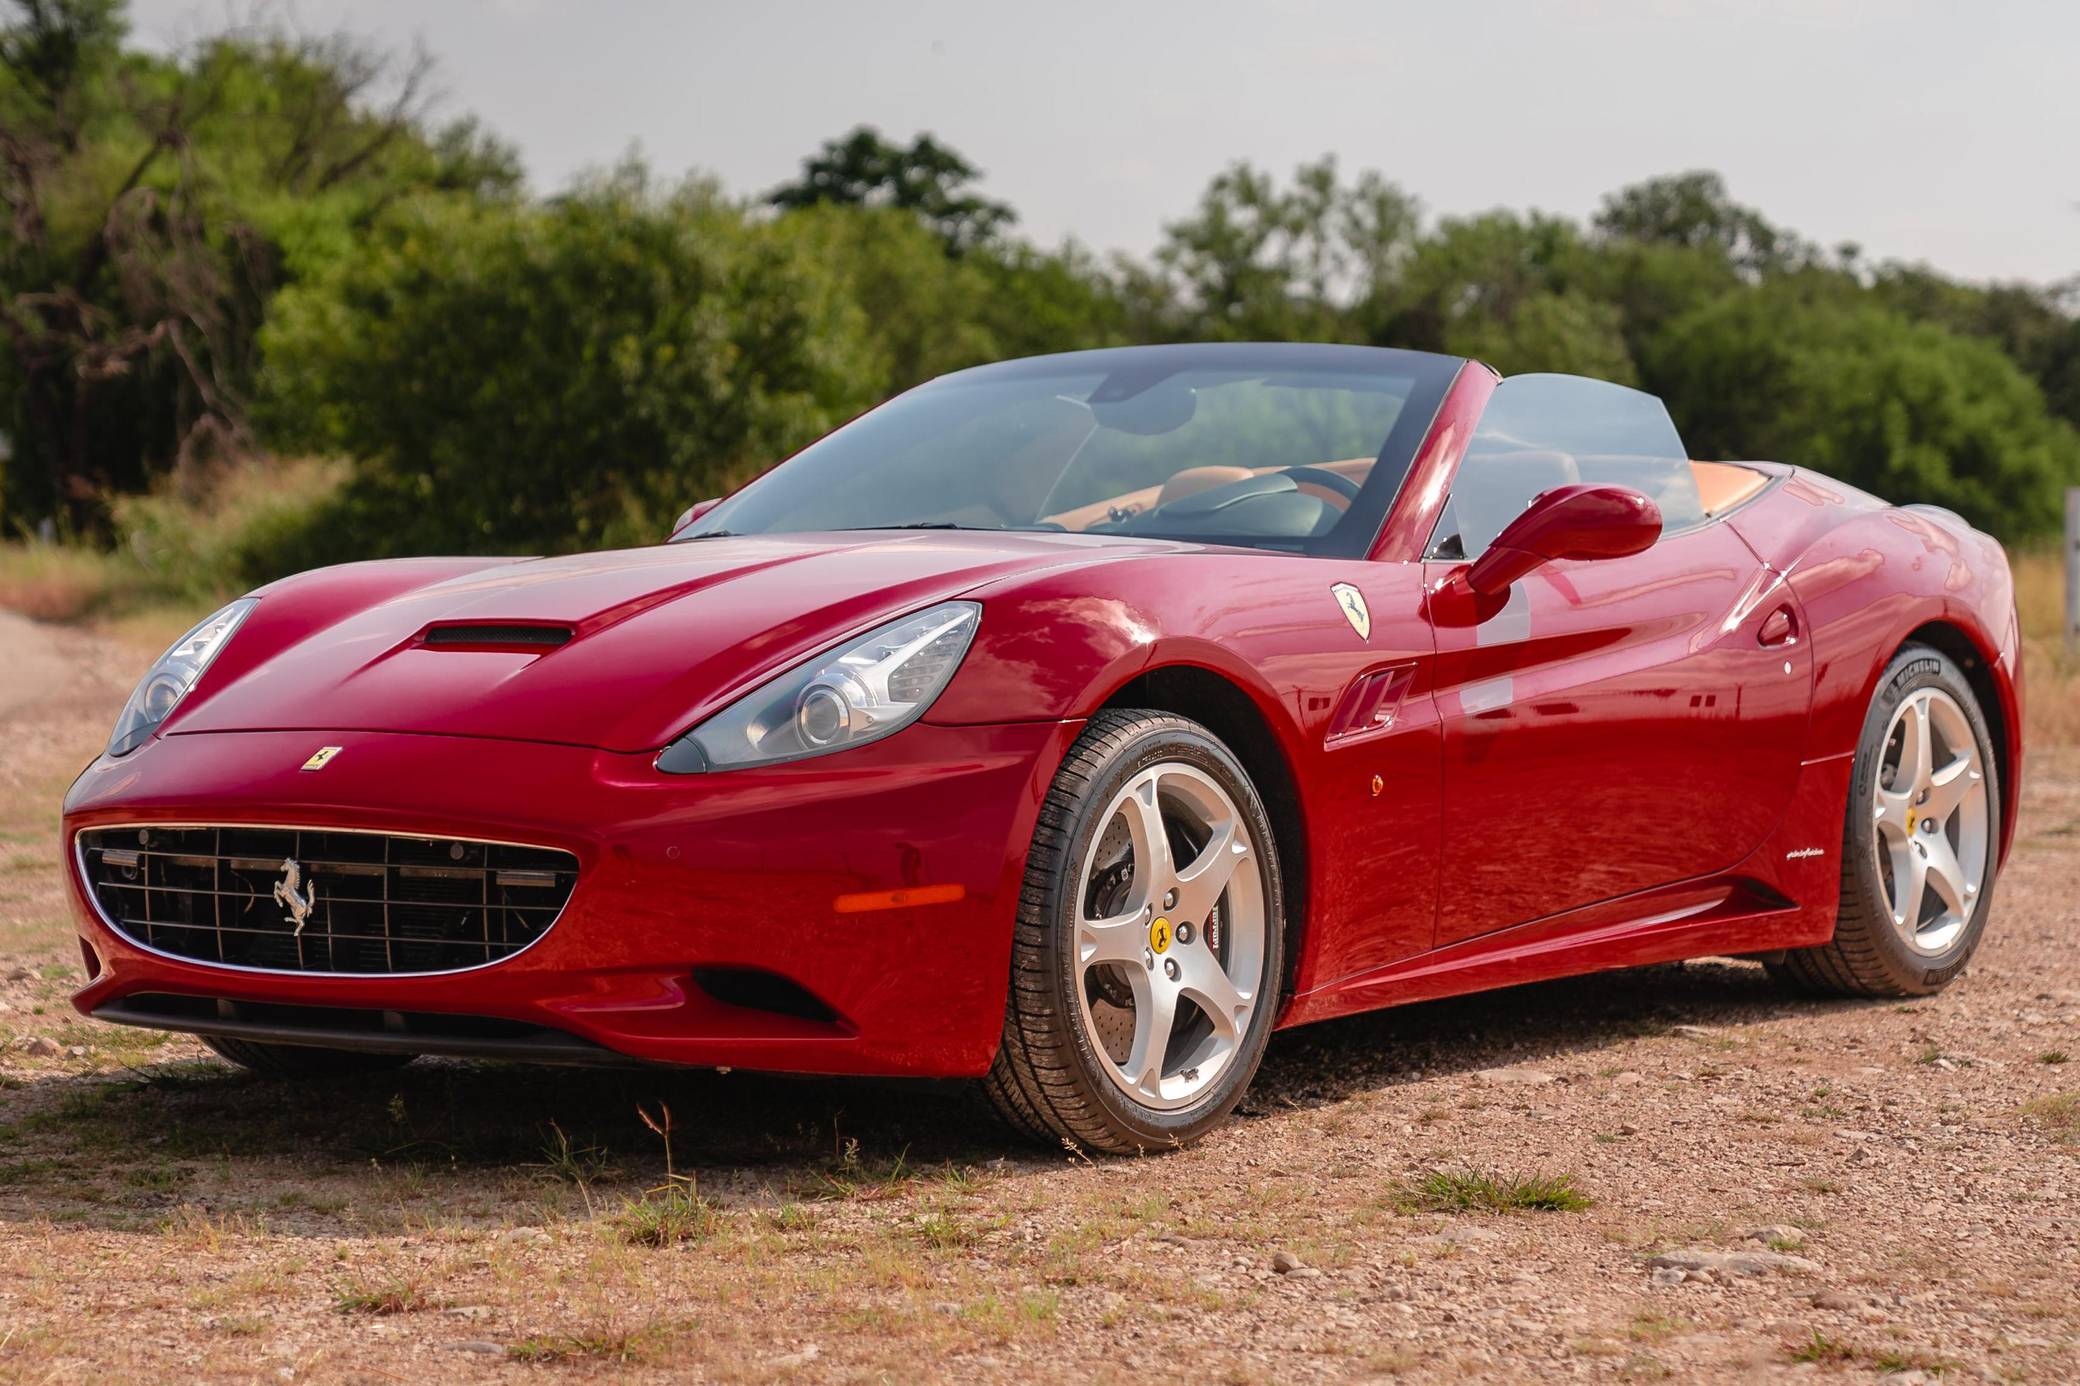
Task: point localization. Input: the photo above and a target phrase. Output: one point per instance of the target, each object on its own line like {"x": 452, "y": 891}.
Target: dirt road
{"x": 1903, "y": 1182}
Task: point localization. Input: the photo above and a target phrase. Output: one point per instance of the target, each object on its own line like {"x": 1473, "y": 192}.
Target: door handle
{"x": 1780, "y": 627}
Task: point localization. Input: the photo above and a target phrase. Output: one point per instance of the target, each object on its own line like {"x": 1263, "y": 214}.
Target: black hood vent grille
{"x": 495, "y": 636}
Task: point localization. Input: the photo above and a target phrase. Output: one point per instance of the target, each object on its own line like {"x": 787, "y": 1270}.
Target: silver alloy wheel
{"x": 1929, "y": 802}
{"x": 1169, "y": 957}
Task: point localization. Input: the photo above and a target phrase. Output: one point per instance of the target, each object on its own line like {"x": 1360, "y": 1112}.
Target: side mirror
{"x": 1567, "y": 522}
{"x": 691, "y": 513}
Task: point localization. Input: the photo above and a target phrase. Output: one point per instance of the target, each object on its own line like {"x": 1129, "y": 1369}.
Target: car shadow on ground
{"x": 98, "y": 1148}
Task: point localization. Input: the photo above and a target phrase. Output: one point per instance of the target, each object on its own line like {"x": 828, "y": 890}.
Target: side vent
{"x": 503, "y": 636}
{"x": 1371, "y": 702}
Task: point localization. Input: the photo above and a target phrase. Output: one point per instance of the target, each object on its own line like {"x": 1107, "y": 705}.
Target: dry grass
{"x": 61, "y": 582}
{"x": 2058, "y": 1115}
{"x": 188, "y": 548}
{"x": 2051, "y": 690}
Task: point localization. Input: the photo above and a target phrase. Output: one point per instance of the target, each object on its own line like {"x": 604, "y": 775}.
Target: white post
{"x": 2073, "y": 572}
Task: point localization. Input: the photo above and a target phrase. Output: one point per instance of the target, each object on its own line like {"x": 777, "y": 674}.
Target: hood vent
{"x": 500, "y": 636}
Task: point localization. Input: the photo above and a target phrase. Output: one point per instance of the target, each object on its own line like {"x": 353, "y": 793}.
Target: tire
{"x": 1871, "y": 953}
{"x": 302, "y": 1061}
{"x": 1061, "y": 1075}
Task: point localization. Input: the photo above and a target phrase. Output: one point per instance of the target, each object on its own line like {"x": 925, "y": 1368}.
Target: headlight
{"x": 880, "y": 683}
{"x": 168, "y": 681}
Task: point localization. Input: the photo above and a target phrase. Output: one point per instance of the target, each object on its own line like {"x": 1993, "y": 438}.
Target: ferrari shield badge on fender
{"x": 1352, "y": 603}
{"x": 321, "y": 758}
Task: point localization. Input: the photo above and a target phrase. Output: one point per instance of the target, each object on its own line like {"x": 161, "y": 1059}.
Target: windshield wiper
{"x": 919, "y": 524}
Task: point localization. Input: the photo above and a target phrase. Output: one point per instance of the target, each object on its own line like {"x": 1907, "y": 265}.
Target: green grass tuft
{"x": 1823, "y": 1349}
{"x": 2058, "y": 1114}
{"x": 666, "y": 1217}
{"x": 1472, "y": 1190}
{"x": 382, "y": 1298}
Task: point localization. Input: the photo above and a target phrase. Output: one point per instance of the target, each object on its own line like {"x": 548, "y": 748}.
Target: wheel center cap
{"x": 1159, "y": 935}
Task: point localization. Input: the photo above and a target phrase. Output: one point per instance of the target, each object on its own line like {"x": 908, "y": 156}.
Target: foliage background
{"x": 265, "y": 246}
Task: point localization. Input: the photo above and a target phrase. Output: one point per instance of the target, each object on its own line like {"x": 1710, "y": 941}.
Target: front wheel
{"x": 1921, "y": 840}
{"x": 1149, "y": 945}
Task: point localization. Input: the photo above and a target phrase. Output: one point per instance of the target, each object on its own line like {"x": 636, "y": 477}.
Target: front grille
{"x": 371, "y": 903}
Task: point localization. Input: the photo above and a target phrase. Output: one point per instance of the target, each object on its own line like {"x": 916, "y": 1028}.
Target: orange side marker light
{"x": 867, "y": 901}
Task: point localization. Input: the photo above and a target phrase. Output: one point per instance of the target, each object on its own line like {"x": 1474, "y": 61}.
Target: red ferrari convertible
{"x": 1072, "y": 724}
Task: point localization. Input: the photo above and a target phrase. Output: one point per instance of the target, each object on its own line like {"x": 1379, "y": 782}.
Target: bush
{"x": 1906, "y": 410}
{"x": 247, "y": 524}
{"x": 559, "y": 376}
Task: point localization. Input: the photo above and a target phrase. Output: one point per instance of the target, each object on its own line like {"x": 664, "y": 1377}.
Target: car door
{"x": 1346, "y": 640}
{"x": 1617, "y": 724}
{"x": 1367, "y": 706}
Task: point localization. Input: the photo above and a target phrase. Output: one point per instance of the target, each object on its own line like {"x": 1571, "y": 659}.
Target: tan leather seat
{"x": 1723, "y": 485}
{"x": 1192, "y": 480}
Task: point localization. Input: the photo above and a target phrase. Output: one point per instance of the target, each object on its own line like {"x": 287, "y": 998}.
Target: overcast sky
{"x": 1940, "y": 132}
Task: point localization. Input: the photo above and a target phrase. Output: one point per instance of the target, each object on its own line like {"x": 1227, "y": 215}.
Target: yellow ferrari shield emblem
{"x": 321, "y": 757}
{"x": 1159, "y": 935}
{"x": 1351, "y": 602}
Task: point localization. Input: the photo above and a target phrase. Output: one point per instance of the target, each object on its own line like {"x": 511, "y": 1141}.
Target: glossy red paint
{"x": 1620, "y": 760}
{"x": 737, "y": 870}
{"x": 1868, "y": 576}
{"x": 1615, "y": 726}
{"x": 1406, "y": 532}
{"x": 1577, "y": 522}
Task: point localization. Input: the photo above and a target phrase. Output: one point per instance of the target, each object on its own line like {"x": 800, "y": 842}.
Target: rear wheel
{"x": 1919, "y": 843}
{"x": 1149, "y": 942}
{"x": 302, "y": 1061}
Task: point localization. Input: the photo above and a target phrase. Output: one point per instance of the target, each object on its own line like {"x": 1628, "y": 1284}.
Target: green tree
{"x": 562, "y": 375}
{"x": 2034, "y": 325}
{"x": 1695, "y": 210}
{"x": 1259, "y": 261}
{"x": 1519, "y": 292}
{"x": 1907, "y": 410}
{"x": 156, "y": 204}
{"x": 924, "y": 178}
{"x": 930, "y": 313}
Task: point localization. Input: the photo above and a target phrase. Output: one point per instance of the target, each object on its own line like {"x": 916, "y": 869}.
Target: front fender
{"x": 1042, "y": 653}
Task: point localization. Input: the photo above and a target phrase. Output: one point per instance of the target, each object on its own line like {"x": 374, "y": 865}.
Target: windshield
{"x": 1295, "y": 448}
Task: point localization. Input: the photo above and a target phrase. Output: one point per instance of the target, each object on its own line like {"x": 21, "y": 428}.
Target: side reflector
{"x": 899, "y": 899}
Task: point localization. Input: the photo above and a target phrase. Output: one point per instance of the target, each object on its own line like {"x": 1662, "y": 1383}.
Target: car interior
{"x": 1494, "y": 487}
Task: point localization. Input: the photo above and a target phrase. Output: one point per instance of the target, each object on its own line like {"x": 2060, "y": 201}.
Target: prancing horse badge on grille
{"x": 298, "y": 906}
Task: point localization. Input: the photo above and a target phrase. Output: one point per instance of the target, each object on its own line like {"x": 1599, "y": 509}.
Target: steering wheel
{"x": 1328, "y": 480}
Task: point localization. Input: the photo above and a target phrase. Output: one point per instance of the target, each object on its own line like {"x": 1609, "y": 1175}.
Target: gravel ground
{"x": 1774, "y": 1186}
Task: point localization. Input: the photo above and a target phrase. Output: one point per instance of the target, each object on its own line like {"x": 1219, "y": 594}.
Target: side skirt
{"x": 1783, "y": 896}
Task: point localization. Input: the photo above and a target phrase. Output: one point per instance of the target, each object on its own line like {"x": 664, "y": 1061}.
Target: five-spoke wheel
{"x": 1148, "y": 956}
{"x": 1930, "y": 806}
{"x": 1169, "y": 935}
{"x": 1918, "y": 844}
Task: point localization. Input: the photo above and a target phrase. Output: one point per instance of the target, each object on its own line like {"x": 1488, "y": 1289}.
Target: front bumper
{"x": 771, "y": 872}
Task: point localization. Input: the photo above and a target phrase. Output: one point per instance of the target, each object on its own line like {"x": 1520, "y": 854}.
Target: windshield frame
{"x": 1430, "y": 376}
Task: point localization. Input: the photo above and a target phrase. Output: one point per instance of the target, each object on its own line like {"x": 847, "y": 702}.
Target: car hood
{"x": 657, "y": 638}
